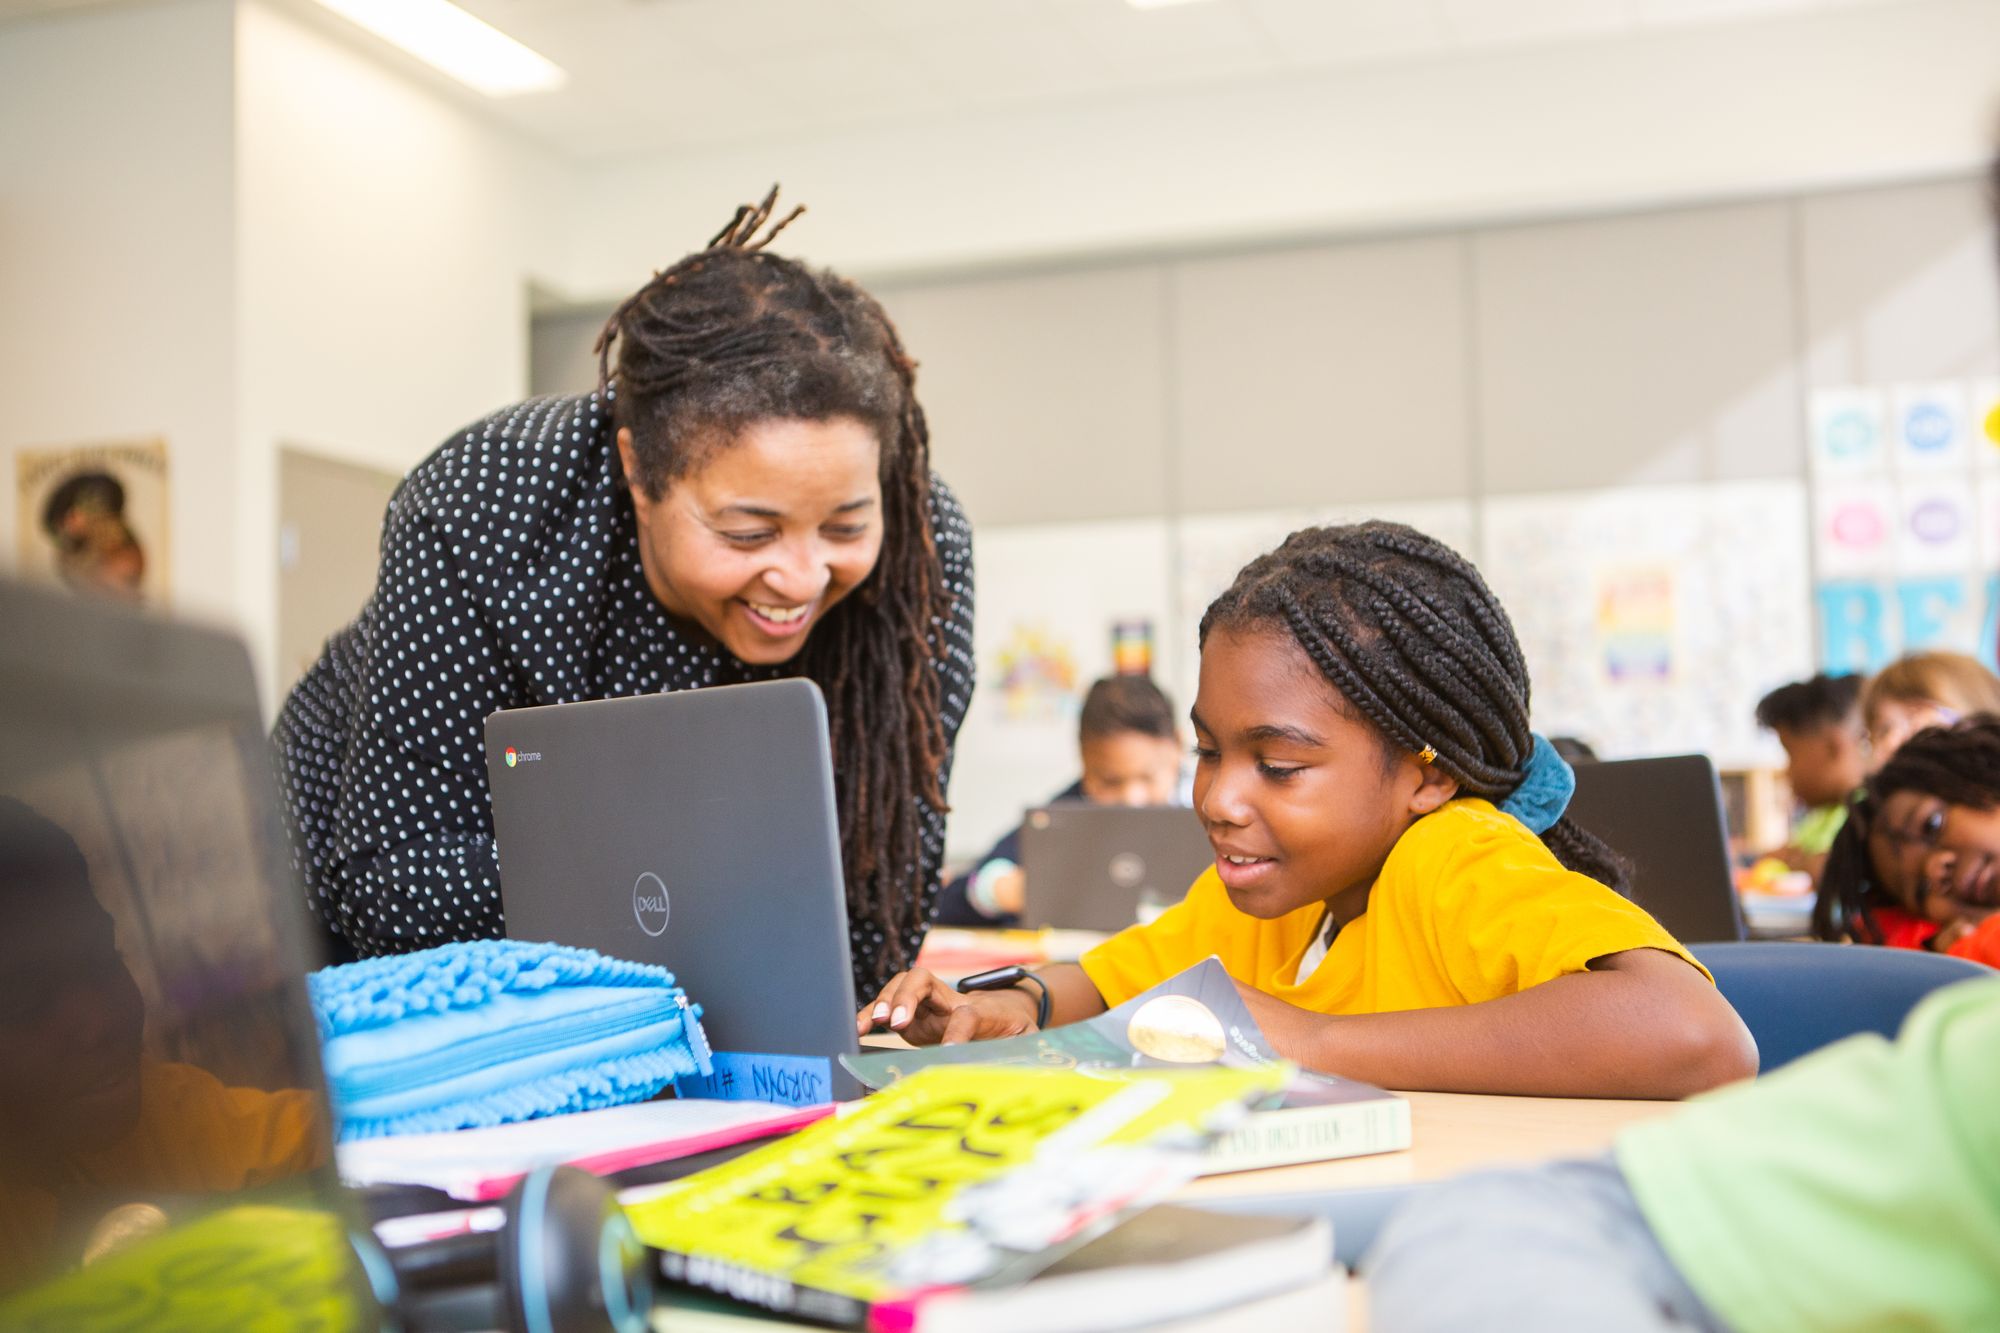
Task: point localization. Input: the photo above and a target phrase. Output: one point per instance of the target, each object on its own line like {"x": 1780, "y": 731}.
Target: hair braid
{"x": 732, "y": 335}
{"x": 1408, "y": 633}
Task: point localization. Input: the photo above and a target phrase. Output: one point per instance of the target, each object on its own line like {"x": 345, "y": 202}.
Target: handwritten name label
{"x": 789, "y": 1080}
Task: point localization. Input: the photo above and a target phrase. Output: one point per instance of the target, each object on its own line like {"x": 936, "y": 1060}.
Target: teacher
{"x": 747, "y": 496}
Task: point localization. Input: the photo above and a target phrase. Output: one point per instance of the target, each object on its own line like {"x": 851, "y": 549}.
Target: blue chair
{"x": 1796, "y": 997}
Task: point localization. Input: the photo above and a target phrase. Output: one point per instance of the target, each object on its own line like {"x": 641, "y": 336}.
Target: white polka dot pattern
{"x": 509, "y": 577}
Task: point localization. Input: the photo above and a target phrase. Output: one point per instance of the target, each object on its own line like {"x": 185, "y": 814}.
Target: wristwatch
{"x": 1001, "y": 978}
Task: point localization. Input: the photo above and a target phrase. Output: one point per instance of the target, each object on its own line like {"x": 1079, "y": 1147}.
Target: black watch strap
{"x": 1004, "y": 978}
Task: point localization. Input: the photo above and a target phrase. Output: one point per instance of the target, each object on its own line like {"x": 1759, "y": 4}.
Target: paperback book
{"x": 1193, "y": 1018}
{"x": 959, "y": 1177}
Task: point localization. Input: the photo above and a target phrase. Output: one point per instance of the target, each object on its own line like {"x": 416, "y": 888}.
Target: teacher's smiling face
{"x": 757, "y": 543}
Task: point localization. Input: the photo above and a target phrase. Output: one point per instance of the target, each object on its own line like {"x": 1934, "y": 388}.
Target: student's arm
{"x": 1641, "y": 1023}
{"x": 926, "y": 1011}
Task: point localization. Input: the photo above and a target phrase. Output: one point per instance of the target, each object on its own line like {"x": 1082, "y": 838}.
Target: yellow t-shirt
{"x": 1470, "y": 906}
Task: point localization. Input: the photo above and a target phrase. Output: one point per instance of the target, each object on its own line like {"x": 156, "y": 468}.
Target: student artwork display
{"x": 1906, "y": 521}
{"x": 1050, "y": 597}
{"x": 1652, "y": 617}
{"x": 94, "y": 517}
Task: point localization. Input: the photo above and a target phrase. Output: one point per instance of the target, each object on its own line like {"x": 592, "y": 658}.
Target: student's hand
{"x": 924, "y": 1011}
{"x": 1010, "y": 891}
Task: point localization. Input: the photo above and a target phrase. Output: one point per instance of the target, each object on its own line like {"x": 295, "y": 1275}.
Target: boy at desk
{"x": 1131, "y": 753}
{"x": 1395, "y": 888}
{"x": 1818, "y": 721}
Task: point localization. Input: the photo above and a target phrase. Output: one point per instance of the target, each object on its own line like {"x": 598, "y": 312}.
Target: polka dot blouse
{"x": 510, "y": 576}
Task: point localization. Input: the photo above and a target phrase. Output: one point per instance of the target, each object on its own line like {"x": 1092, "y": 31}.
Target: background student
{"x": 747, "y": 495}
{"x": 1918, "y": 864}
{"x": 1363, "y": 706}
{"x": 1130, "y": 749}
{"x": 1923, "y": 690}
{"x": 1818, "y": 721}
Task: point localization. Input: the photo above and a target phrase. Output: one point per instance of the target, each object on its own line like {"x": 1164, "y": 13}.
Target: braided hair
{"x": 1411, "y": 637}
{"x": 1958, "y": 764}
{"x": 732, "y": 335}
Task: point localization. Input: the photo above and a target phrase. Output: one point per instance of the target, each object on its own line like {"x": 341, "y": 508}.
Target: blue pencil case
{"x": 493, "y": 1031}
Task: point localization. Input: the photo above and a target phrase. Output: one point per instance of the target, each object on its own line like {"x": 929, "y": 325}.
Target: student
{"x": 747, "y": 495}
{"x": 1923, "y": 690}
{"x": 1818, "y": 721}
{"x": 1918, "y": 864}
{"x": 1395, "y": 889}
{"x": 1858, "y": 1188}
{"x": 1131, "y": 755}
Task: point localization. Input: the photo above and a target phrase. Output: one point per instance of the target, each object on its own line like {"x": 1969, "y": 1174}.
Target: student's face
{"x": 1893, "y": 721}
{"x": 759, "y": 542}
{"x": 1903, "y": 830}
{"x": 1962, "y": 872}
{"x": 1824, "y": 763}
{"x": 1130, "y": 768}
{"x": 1298, "y": 798}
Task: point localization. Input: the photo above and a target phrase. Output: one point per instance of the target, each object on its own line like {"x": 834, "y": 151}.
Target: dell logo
{"x": 649, "y": 903}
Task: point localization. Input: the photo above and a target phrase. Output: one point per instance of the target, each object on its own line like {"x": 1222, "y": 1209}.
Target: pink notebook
{"x": 481, "y": 1164}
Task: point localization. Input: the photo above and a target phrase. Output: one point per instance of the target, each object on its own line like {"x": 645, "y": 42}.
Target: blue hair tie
{"x": 1546, "y": 786}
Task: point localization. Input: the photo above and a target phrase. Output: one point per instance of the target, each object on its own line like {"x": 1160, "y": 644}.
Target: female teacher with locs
{"x": 747, "y": 495}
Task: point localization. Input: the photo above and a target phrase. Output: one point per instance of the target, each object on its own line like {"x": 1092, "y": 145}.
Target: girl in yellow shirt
{"x": 1395, "y": 889}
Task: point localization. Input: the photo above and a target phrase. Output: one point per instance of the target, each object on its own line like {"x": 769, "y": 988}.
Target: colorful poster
{"x": 1848, "y": 437}
{"x": 1854, "y": 529}
{"x": 94, "y": 517}
{"x": 1930, "y": 427}
{"x": 1985, "y": 423}
{"x": 1935, "y": 526}
{"x": 1635, "y": 623}
{"x": 1653, "y": 618}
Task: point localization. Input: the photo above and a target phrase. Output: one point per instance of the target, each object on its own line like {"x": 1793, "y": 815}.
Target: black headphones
{"x": 565, "y": 1260}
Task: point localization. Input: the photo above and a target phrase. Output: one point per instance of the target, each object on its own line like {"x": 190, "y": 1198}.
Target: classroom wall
{"x": 1610, "y": 414}
{"x": 1799, "y": 101}
{"x": 117, "y": 274}
{"x": 384, "y": 261}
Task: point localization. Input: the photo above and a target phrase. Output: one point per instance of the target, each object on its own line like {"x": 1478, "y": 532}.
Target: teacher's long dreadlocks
{"x": 1409, "y": 634}
{"x": 731, "y": 335}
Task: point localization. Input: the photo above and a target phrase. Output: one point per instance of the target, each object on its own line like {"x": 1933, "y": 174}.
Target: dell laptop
{"x": 696, "y": 830}
{"x": 1105, "y": 867}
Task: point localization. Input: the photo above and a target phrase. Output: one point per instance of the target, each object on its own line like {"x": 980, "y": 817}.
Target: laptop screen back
{"x": 1103, "y": 867}
{"x": 164, "y": 1148}
{"x": 1665, "y": 817}
{"x": 696, "y": 830}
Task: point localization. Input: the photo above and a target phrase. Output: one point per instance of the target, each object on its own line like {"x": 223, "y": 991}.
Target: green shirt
{"x": 1816, "y": 827}
{"x": 1858, "y": 1188}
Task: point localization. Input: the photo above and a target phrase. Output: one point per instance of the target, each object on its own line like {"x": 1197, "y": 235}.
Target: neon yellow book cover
{"x": 957, "y": 1175}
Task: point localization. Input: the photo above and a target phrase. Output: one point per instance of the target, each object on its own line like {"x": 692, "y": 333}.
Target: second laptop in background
{"x": 1103, "y": 867}
{"x": 1665, "y": 817}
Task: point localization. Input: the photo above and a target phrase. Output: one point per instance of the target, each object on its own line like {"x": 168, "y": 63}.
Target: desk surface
{"x": 1451, "y": 1133}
